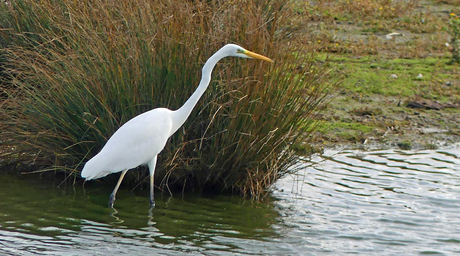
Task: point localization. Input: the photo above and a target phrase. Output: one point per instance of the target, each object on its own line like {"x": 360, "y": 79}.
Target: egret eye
{"x": 239, "y": 50}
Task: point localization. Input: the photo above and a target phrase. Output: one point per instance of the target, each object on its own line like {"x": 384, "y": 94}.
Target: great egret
{"x": 142, "y": 138}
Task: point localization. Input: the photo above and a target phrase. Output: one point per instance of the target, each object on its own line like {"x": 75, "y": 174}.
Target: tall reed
{"x": 83, "y": 68}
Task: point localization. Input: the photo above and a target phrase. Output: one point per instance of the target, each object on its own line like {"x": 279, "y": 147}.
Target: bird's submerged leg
{"x": 152, "y": 165}
{"x": 152, "y": 199}
{"x": 112, "y": 196}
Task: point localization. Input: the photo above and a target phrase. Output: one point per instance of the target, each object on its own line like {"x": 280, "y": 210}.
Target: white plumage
{"x": 141, "y": 139}
{"x": 135, "y": 143}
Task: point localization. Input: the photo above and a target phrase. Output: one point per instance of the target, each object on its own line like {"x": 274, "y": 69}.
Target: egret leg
{"x": 152, "y": 199}
{"x": 152, "y": 163}
{"x": 112, "y": 196}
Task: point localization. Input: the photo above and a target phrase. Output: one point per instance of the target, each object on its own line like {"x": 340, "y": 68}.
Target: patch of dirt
{"x": 419, "y": 124}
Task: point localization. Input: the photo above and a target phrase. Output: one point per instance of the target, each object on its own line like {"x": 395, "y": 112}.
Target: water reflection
{"x": 41, "y": 218}
{"x": 378, "y": 202}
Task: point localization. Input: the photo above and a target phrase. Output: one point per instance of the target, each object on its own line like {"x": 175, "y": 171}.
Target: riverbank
{"x": 399, "y": 90}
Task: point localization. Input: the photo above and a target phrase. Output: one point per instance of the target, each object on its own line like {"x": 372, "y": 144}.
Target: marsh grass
{"x": 82, "y": 69}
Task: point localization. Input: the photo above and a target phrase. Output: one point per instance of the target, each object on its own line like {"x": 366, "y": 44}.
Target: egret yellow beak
{"x": 257, "y": 56}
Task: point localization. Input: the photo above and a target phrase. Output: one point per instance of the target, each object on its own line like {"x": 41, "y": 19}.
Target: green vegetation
{"x": 396, "y": 77}
{"x": 348, "y": 131}
{"x": 406, "y": 145}
{"x": 375, "y": 92}
{"x": 388, "y": 71}
{"x": 77, "y": 70}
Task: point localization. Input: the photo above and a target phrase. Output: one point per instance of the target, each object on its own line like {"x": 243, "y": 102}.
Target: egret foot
{"x": 111, "y": 200}
{"x": 112, "y": 196}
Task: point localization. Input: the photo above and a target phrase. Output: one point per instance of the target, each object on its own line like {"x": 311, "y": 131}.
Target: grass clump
{"x": 81, "y": 69}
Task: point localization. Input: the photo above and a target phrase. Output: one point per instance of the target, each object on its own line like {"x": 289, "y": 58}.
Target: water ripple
{"x": 375, "y": 203}
{"x": 384, "y": 202}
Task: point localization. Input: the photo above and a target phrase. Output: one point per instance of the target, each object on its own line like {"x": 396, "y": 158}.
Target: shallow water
{"x": 369, "y": 203}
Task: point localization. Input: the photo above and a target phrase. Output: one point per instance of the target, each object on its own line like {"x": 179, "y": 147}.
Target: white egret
{"x": 141, "y": 139}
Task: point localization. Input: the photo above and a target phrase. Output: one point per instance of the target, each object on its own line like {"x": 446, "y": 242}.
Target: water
{"x": 383, "y": 202}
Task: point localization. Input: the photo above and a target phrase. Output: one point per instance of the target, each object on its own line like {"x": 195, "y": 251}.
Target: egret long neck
{"x": 181, "y": 115}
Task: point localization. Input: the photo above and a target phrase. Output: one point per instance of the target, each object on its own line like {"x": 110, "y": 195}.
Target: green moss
{"x": 396, "y": 77}
{"x": 352, "y": 131}
{"x": 353, "y": 126}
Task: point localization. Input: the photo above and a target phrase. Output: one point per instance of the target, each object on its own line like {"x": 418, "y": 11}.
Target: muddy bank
{"x": 397, "y": 91}
{"x": 377, "y": 121}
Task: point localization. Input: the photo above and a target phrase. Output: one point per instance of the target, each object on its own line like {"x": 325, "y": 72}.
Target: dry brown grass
{"x": 85, "y": 68}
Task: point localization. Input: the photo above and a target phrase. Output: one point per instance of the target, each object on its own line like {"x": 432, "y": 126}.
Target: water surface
{"x": 383, "y": 202}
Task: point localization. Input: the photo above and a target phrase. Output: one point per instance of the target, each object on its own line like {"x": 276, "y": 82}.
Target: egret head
{"x": 238, "y": 51}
